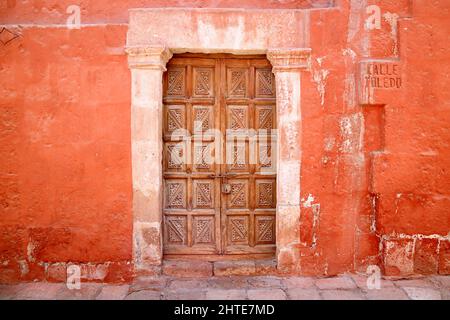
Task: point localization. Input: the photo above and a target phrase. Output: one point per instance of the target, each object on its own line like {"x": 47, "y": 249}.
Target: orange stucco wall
{"x": 375, "y": 178}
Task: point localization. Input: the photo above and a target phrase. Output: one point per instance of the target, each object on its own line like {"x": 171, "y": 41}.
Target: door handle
{"x": 226, "y": 188}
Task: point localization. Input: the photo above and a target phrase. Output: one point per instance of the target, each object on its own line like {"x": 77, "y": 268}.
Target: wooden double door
{"x": 219, "y": 155}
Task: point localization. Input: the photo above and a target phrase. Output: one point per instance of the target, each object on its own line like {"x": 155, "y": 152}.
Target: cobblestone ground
{"x": 346, "y": 287}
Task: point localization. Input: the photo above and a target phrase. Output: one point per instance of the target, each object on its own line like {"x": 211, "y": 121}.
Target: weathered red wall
{"x": 54, "y": 11}
{"x": 374, "y": 178}
{"x": 412, "y": 177}
{"x": 66, "y": 177}
{"x": 377, "y": 173}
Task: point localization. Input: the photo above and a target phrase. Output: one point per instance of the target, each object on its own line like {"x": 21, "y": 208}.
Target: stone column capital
{"x": 148, "y": 57}
{"x": 285, "y": 60}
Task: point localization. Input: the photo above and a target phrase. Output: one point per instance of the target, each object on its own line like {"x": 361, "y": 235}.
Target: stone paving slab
{"x": 111, "y": 292}
{"x": 40, "y": 291}
{"x": 221, "y": 294}
{"x": 361, "y": 282}
{"x": 422, "y": 293}
{"x": 342, "y": 282}
{"x": 416, "y": 283}
{"x": 144, "y": 295}
{"x": 264, "y": 282}
{"x": 88, "y": 291}
{"x": 228, "y": 282}
{"x": 8, "y": 292}
{"x": 185, "y": 294}
{"x": 344, "y": 287}
{"x": 149, "y": 283}
{"x": 441, "y": 280}
{"x": 387, "y": 294}
{"x": 298, "y": 282}
{"x": 342, "y": 295}
{"x": 266, "y": 294}
{"x": 303, "y": 294}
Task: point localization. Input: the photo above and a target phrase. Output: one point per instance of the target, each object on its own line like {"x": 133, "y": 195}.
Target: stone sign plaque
{"x": 379, "y": 80}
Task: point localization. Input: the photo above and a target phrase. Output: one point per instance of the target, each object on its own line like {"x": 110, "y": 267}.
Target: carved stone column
{"x": 147, "y": 65}
{"x": 287, "y": 67}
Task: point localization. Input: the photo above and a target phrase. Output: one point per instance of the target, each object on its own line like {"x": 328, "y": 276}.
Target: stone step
{"x": 187, "y": 268}
{"x": 198, "y": 268}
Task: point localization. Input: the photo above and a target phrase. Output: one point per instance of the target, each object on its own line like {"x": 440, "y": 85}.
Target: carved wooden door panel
{"x": 192, "y": 194}
{"x": 248, "y": 119}
{"x": 219, "y": 186}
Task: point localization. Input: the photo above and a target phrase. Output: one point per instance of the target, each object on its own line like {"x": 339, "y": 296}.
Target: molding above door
{"x": 234, "y": 31}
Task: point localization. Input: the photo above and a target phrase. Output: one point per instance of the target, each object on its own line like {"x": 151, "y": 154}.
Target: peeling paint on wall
{"x": 320, "y": 78}
{"x": 392, "y": 19}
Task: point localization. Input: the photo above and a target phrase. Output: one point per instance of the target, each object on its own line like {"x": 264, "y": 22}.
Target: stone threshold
{"x": 199, "y": 268}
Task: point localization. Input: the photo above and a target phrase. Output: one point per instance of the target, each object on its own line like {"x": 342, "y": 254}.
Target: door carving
{"x": 219, "y": 122}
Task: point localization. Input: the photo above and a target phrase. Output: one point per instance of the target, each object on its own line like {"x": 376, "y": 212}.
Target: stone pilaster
{"x": 147, "y": 66}
{"x": 287, "y": 67}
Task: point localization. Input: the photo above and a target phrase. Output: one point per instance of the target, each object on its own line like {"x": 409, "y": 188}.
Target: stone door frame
{"x": 150, "y": 45}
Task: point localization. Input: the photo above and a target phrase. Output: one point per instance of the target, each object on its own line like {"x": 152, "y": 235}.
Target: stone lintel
{"x": 219, "y": 30}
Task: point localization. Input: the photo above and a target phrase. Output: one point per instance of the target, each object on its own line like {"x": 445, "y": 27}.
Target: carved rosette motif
{"x": 176, "y": 229}
{"x": 265, "y": 83}
{"x": 239, "y": 229}
{"x": 203, "y": 230}
{"x": 265, "y": 156}
{"x": 265, "y": 195}
{"x": 175, "y": 156}
{"x": 238, "y": 195}
{"x": 201, "y": 119}
{"x": 265, "y": 119}
{"x": 238, "y": 157}
{"x": 203, "y": 82}
{"x": 265, "y": 229}
{"x": 174, "y": 119}
{"x": 237, "y": 82}
{"x": 238, "y": 118}
{"x": 176, "y": 82}
{"x": 203, "y": 195}
{"x": 203, "y": 158}
{"x": 176, "y": 195}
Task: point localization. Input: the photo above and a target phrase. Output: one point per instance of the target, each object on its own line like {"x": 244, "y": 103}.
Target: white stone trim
{"x": 148, "y": 55}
